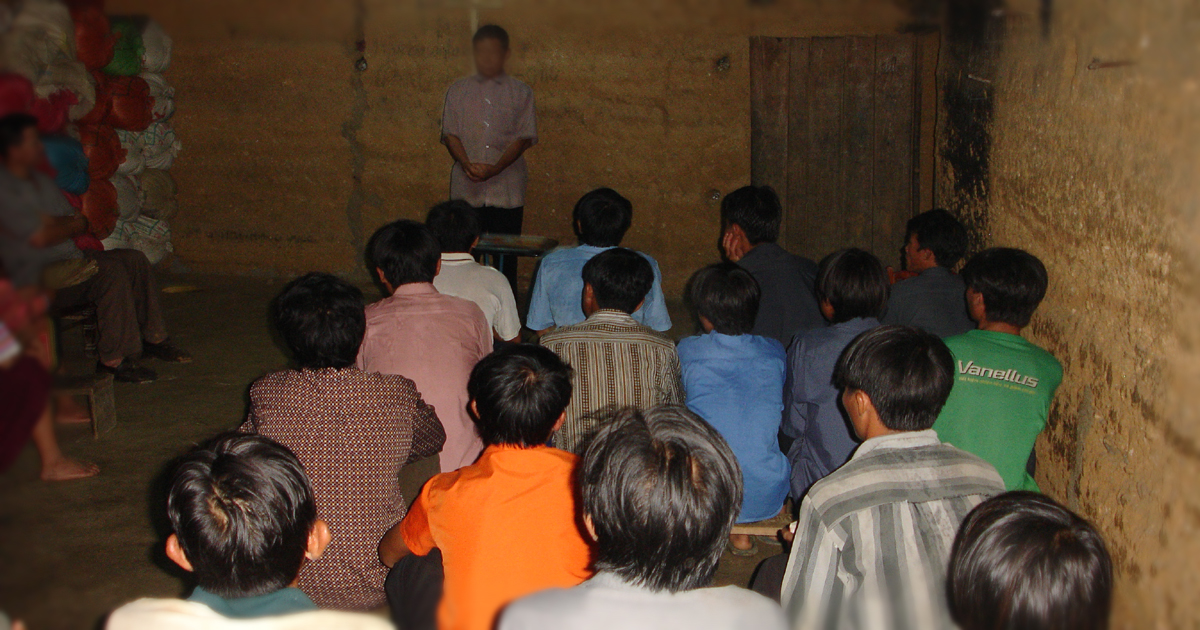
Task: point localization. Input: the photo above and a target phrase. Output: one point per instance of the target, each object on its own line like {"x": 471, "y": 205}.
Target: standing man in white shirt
{"x": 488, "y": 123}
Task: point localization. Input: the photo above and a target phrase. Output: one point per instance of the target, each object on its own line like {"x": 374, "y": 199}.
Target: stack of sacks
{"x": 158, "y": 194}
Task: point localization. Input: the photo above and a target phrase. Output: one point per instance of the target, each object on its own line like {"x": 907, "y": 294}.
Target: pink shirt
{"x": 488, "y": 115}
{"x": 435, "y": 340}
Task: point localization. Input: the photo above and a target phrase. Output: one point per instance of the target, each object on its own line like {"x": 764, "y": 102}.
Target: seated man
{"x": 1003, "y": 384}
{"x": 932, "y": 300}
{"x": 1022, "y": 560}
{"x": 503, "y": 527}
{"x": 750, "y": 219}
{"x": 734, "y": 380}
{"x": 352, "y": 430}
{"x": 244, "y": 524}
{"x": 618, "y": 362}
{"x": 37, "y": 226}
{"x": 872, "y": 537}
{"x": 852, "y": 287}
{"x": 428, "y": 337}
{"x": 660, "y": 494}
{"x": 456, "y": 226}
{"x": 601, "y": 219}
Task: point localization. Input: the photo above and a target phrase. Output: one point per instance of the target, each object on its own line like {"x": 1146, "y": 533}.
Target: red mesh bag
{"x": 54, "y": 113}
{"x": 73, "y": 199}
{"x": 131, "y": 109}
{"x": 103, "y": 102}
{"x": 16, "y": 94}
{"x": 100, "y": 207}
{"x": 103, "y": 150}
{"x": 89, "y": 242}
{"x": 94, "y": 40}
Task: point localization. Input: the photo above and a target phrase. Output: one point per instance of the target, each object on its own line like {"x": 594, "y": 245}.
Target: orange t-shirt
{"x": 507, "y": 526}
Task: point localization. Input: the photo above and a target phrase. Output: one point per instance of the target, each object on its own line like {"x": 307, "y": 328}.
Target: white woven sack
{"x": 129, "y": 196}
{"x": 160, "y": 145}
{"x": 157, "y": 43}
{"x": 135, "y": 153}
{"x": 66, "y": 73}
{"x": 162, "y": 93}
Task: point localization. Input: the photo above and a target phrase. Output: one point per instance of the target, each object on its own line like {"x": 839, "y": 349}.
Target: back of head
{"x": 755, "y": 209}
{"x": 854, "y": 283}
{"x": 906, "y": 372}
{"x": 602, "y": 217}
{"x": 322, "y": 321}
{"x": 1022, "y": 561}
{"x": 941, "y": 233}
{"x": 406, "y": 251}
{"x": 620, "y": 278}
{"x": 519, "y": 393}
{"x": 727, "y": 296}
{"x": 662, "y": 489}
{"x": 1011, "y": 281}
{"x": 12, "y": 131}
{"x": 455, "y": 224}
{"x": 242, "y": 509}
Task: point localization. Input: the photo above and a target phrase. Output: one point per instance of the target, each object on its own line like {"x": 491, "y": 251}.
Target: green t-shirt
{"x": 1003, "y": 386}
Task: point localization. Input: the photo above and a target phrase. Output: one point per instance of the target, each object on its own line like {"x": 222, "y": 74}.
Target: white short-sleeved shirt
{"x": 488, "y": 115}
{"x": 464, "y": 278}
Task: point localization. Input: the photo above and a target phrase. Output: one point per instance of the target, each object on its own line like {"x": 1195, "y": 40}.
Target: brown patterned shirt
{"x": 618, "y": 363}
{"x": 353, "y": 431}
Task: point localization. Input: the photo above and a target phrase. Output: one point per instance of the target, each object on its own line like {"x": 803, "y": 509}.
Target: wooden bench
{"x": 770, "y": 527}
{"x": 99, "y": 391}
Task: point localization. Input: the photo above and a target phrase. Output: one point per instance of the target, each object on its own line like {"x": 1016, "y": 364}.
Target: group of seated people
{"x": 593, "y": 480}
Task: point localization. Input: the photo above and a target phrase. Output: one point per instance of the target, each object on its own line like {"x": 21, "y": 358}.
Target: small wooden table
{"x": 494, "y": 248}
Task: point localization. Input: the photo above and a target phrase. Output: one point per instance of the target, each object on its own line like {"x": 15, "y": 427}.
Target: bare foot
{"x": 18, "y": 625}
{"x": 741, "y": 541}
{"x": 68, "y": 411}
{"x": 67, "y": 469}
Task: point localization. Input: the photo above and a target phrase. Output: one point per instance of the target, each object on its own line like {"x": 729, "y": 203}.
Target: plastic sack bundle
{"x": 69, "y": 162}
{"x": 135, "y": 161}
{"x": 131, "y": 105}
{"x": 16, "y": 94}
{"x": 99, "y": 112}
{"x": 161, "y": 145}
{"x": 103, "y": 150}
{"x": 100, "y": 207}
{"x": 129, "y": 196}
{"x": 157, "y": 45}
{"x": 94, "y": 40}
{"x": 127, "y": 50}
{"x": 152, "y": 237}
{"x": 158, "y": 194}
{"x": 53, "y": 113}
{"x": 41, "y": 31}
{"x": 66, "y": 73}
{"x": 163, "y": 95}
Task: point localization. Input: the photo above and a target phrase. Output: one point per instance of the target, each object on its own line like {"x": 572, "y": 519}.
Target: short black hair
{"x": 620, "y": 278}
{"x": 940, "y": 232}
{"x": 755, "y": 209}
{"x": 12, "y": 131}
{"x": 242, "y": 509}
{"x": 1022, "y": 560}
{"x": 854, "y": 283}
{"x": 455, "y": 224}
{"x": 906, "y": 372}
{"x": 727, "y": 296}
{"x": 406, "y": 251}
{"x": 602, "y": 217}
{"x": 663, "y": 490}
{"x": 321, "y": 318}
{"x": 519, "y": 391}
{"x": 1011, "y": 281}
{"x": 491, "y": 31}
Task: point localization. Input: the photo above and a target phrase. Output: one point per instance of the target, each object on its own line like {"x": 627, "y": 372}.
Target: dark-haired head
{"x": 455, "y": 224}
{"x": 1009, "y": 283}
{"x": 661, "y": 489}
{"x": 1022, "y": 561}
{"x": 491, "y": 31}
{"x": 18, "y": 138}
{"x": 602, "y": 217}
{"x": 242, "y": 510}
{"x": 518, "y": 395}
{"x": 906, "y": 372}
{"x": 617, "y": 279}
{"x": 854, "y": 283}
{"x": 322, "y": 321}
{"x": 755, "y": 210}
{"x": 938, "y": 232}
{"x": 727, "y": 296}
{"x": 490, "y": 46}
{"x": 404, "y": 252}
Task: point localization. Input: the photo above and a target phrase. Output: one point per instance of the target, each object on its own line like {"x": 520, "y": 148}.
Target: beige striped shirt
{"x": 618, "y": 363}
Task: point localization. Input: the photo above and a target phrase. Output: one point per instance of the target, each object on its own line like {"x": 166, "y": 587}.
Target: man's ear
{"x": 318, "y": 539}
{"x": 473, "y": 409}
{"x": 382, "y": 276}
{"x": 439, "y": 268}
{"x": 590, "y": 526}
{"x": 562, "y": 417}
{"x": 176, "y": 554}
{"x": 827, "y": 310}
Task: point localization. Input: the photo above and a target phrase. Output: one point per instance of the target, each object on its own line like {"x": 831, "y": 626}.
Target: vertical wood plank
{"x": 769, "y": 64}
{"x": 820, "y": 138}
{"x": 794, "y": 221}
{"x": 894, "y": 151}
{"x": 855, "y": 227}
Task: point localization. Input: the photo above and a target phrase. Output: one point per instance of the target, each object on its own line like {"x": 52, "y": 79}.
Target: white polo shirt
{"x": 462, "y": 277}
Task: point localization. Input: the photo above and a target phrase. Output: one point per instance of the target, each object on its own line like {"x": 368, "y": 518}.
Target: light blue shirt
{"x": 558, "y": 291}
{"x": 736, "y": 384}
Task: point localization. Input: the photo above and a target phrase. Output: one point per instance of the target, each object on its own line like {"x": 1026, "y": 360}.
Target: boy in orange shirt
{"x": 504, "y": 527}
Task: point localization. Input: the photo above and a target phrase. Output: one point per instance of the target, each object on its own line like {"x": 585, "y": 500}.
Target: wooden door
{"x": 836, "y": 128}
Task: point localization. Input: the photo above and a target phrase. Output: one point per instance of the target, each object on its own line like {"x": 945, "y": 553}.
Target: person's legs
{"x": 768, "y": 577}
{"x": 111, "y": 290}
{"x": 25, "y": 398}
{"x": 504, "y": 221}
{"x": 144, "y": 291}
{"x": 414, "y": 591}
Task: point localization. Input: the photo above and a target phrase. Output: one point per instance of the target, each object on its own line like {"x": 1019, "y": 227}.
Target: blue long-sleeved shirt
{"x": 557, "y": 294}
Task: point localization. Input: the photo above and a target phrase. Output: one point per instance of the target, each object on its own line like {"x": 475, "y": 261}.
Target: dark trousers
{"x": 504, "y": 221}
{"x": 768, "y": 577}
{"x": 414, "y": 591}
{"x": 126, "y": 299}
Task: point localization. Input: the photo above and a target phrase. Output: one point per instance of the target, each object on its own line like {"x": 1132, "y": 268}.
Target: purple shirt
{"x": 488, "y": 115}
{"x": 435, "y": 340}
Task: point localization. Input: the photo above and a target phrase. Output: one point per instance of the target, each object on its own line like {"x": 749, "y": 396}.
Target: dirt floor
{"x": 73, "y": 551}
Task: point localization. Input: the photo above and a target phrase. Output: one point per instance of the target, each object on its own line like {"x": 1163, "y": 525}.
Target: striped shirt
{"x": 874, "y": 537}
{"x": 618, "y": 363}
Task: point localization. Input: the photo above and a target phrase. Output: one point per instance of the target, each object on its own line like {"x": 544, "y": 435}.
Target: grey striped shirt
{"x": 618, "y": 363}
{"x": 874, "y": 537}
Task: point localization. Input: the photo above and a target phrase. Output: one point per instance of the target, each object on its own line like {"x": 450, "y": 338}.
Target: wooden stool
{"x": 99, "y": 391}
{"x": 770, "y": 527}
{"x": 85, "y": 318}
